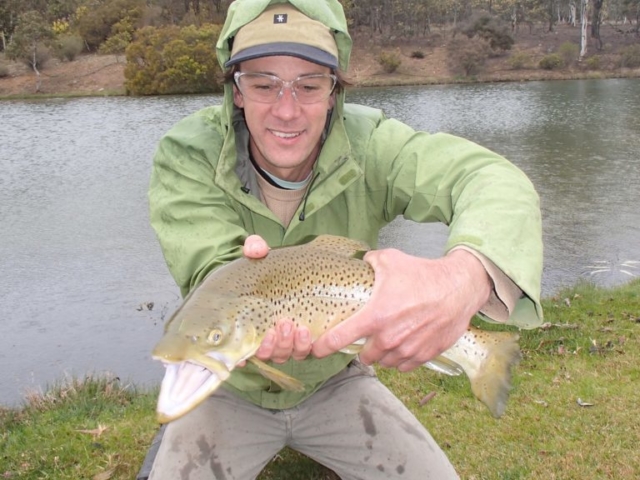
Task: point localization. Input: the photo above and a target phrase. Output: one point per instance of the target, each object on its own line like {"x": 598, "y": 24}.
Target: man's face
{"x": 285, "y": 135}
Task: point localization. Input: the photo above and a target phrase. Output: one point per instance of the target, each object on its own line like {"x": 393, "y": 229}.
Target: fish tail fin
{"x": 492, "y": 383}
{"x": 285, "y": 381}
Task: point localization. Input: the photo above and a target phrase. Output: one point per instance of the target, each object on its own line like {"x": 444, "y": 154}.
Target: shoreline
{"x": 383, "y": 80}
{"x": 423, "y": 61}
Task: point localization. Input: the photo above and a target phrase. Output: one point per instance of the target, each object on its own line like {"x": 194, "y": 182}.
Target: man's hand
{"x": 418, "y": 309}
{"x": 284, "y": 341}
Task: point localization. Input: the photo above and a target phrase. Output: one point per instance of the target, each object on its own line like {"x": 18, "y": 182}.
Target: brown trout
{"x": 319, "y": 284}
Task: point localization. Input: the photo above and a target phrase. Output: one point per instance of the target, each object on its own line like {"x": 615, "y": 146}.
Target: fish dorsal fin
{"x": 344, "y": 246}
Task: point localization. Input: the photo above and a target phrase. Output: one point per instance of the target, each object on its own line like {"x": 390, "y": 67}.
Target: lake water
{"x": 78, "y": 258}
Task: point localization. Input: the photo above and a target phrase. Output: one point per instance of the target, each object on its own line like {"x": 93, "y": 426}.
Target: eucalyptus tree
{"x": 62, "y": 9}
{"x": 9, "y": 11}
{"x": 31, "y": 34}
{"x": 583, "y": 28}
{"x": 596, "y": 21}
{"x": 631, "y": 9}
{"x": 573, "y": 11}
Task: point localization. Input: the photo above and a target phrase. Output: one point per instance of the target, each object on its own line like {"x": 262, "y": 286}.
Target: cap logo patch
{"x": 280, "y": 18}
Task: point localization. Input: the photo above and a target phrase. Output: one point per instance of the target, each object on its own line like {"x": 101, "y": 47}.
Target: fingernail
{"x": 268, "y": 339}
{"x": 304, "y": 335}
{"x": 285, "y": 328}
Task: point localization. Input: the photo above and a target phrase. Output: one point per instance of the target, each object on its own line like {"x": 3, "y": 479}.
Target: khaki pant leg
{"x": 358, "y": 428}
{"x": 225, "y": 438}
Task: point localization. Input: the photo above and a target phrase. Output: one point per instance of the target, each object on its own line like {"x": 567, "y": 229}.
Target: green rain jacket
{"x": 371, "y": 169}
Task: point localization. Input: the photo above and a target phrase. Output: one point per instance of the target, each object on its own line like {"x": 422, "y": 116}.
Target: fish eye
{"x": 214, "y": 337}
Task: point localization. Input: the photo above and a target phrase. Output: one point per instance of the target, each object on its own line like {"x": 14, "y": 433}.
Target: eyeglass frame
{"x": 286, "y": 84}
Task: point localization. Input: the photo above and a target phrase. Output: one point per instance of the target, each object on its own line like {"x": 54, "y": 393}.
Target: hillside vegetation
{"x": 143, "y": 48}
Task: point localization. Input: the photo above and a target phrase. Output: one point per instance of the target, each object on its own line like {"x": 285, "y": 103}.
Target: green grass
{"x": 588, "y": 350}
{"x": 78, "y": 429}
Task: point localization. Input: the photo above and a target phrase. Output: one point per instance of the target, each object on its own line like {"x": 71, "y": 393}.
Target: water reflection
{"x": 78, "y": 256}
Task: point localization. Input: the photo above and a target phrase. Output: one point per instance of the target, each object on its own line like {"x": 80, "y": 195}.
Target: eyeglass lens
{"x": 268, "y": 88}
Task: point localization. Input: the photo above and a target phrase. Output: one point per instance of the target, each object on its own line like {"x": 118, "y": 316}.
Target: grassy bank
{"x": 572, "y": 412}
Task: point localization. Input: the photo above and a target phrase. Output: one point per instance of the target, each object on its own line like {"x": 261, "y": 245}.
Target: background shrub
{"x": 466, "y": 56}
{"x": 115, "y": 44}
{"x": 110, "y": 17}
{"x": 553, "y": 61}
{"x": 171, "y": 60}
{"x": 4, "y": 70}
{"x": 490, "y": 29}
{"x": 417, "y": 54}
{"x": 37, "y": 56}
{"x": 569, "y": 53}
{"x": 519, "y": 60}
{"x": 68, "y": 47}
{"x": 389, "y": 61}
{"x": 593, "y": 63}
{"x": 630, "y": 57}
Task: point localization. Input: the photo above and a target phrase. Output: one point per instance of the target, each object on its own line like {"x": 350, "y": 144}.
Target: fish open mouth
{"x": 185, "y": 386}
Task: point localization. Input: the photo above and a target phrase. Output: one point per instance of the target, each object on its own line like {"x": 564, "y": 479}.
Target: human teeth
{"x": 285, "y": 135}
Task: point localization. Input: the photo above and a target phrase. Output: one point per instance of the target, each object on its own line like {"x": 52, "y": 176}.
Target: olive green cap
{"x": 283, "y": 30}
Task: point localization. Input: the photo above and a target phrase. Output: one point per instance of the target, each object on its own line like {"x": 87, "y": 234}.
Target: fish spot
{"x": 400, "y": 469}
{"x": 380, "y": 467}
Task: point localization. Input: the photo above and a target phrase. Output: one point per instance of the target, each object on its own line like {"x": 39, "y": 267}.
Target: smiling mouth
{"x": 285, "y": 135}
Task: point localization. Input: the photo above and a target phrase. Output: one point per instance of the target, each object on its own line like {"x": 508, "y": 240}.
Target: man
{"x": 284, "y": 158}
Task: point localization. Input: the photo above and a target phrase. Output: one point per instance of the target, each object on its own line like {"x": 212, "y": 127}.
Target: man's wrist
{"x": 470, "y": 276}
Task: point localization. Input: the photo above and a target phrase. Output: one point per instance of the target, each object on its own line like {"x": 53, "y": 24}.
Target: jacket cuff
{"x": 504, "y": 294}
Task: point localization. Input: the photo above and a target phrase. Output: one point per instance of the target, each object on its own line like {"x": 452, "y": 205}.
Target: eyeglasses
{"x": 264, "y": 88}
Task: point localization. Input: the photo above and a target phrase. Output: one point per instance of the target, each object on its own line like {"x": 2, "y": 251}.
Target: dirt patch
{"x": 104, "y": 74}
{"x": 535, "y": 43}
{"x": 87, "y": 75}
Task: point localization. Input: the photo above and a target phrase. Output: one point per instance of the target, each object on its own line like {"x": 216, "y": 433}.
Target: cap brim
{"x": 305, "y": 52}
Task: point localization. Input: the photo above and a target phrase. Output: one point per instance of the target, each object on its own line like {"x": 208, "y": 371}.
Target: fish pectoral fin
{"x": 444, "y": 365}
{"x": 285, "y": 381}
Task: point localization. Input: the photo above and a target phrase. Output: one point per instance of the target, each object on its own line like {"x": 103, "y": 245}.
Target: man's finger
{"x": 302, "y": 344}
{"x": 255, "y": 247}
{"x": 267, "y": 346}
{"x": 342, "y": 335}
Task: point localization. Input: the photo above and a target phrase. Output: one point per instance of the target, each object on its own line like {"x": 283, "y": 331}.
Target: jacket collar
{"x": 334, "y": 170}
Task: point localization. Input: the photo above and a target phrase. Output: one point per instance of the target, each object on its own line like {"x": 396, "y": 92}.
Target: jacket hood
{"x": 328, "y": 12}
{"x": 241, "y": 12}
